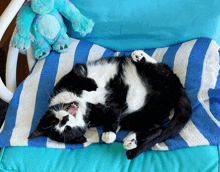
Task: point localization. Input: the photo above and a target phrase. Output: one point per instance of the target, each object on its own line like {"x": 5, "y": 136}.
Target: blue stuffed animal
{"x": 39, "y": 22}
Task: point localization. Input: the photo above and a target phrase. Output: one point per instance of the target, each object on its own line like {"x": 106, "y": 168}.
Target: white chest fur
{"x": 137, "y": 92}
{"x": 101, "y": 73}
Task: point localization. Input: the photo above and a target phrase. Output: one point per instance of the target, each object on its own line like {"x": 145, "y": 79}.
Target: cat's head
{"x": 62, "y": 123}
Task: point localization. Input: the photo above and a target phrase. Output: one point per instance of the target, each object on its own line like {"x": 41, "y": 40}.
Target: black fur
{"x": 75, "y": 81}
{"x": 164, "y": 93}
{"x": 3, "y": 111}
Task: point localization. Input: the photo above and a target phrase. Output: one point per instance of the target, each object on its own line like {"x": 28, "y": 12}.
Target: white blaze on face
{"x": 72, "y": 122}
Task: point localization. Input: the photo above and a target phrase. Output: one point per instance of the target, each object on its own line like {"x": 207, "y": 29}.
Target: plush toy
{"x": 39, "y": 22}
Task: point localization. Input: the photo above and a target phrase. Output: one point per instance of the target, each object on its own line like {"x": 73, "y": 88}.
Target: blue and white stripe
{"x": 195, "y": 62}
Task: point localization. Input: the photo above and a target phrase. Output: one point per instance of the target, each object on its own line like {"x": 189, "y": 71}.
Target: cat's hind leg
{"x": 138, "y": 55}
{"x": 137, "y": 142}
{"x": 130, "y": 142}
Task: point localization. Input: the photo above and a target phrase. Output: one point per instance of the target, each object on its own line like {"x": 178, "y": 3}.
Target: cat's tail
{"x": 157, "y": 134}
{"x": 182, "y": 113}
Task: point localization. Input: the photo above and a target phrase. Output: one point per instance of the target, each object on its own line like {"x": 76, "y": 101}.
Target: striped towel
{"x": 195, "y": 62}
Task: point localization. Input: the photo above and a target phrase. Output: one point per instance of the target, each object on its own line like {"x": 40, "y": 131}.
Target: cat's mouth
{"x": 72, "y": 110}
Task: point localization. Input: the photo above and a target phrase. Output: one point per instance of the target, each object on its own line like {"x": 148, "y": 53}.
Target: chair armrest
{"x": 11, "y": 66}
{"x": 5, "y": 20}
{"x": 5, "y": 94}
{"x": 9, "y": 14}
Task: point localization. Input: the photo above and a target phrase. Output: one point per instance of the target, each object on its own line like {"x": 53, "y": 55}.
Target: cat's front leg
{"x": 109, "y": 134}
{"x": 110, "y": 126}
{"x": 79, "y": 72}
{"x": 109, "y": 137}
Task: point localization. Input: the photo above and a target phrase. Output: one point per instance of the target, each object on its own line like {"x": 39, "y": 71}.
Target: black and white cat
{"x": 133, "y": 93}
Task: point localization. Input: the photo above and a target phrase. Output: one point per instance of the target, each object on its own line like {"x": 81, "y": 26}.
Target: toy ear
{"x": 38, "y": 133}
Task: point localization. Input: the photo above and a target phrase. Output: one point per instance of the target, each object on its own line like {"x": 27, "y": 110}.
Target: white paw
{"x": 108, "y": 137}
{"x": 130, "y": 142}
{"x": 138, "y": 55}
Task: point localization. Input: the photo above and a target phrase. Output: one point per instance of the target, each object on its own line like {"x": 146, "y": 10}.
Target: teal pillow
{"x": 196, "y": 63}
{"x": 127, "y": 25}
{"x": 109, "y": 158}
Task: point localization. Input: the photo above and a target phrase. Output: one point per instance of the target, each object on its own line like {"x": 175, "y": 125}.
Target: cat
{"x": 134, "y": 93}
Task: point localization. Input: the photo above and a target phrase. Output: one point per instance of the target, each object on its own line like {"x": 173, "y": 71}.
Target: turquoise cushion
{"x": 110, "y": 158}
{"x": 142, "y": 24}
{"x": 202, "y": 83}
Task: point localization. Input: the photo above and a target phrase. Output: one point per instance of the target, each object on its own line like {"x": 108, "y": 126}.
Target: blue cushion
{"x": 195, "y": 62}
{"x": 111, "y": 158}
{"x": 142, "y": 24}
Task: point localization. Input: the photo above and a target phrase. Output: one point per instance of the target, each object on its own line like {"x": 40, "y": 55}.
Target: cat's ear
{"x": 38, "y": 133}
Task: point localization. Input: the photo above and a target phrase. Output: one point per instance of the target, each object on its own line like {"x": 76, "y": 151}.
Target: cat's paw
{"x": 130, "y": 142}
{"x": 139, "y": 55}
{"x": 108, "y": 137}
